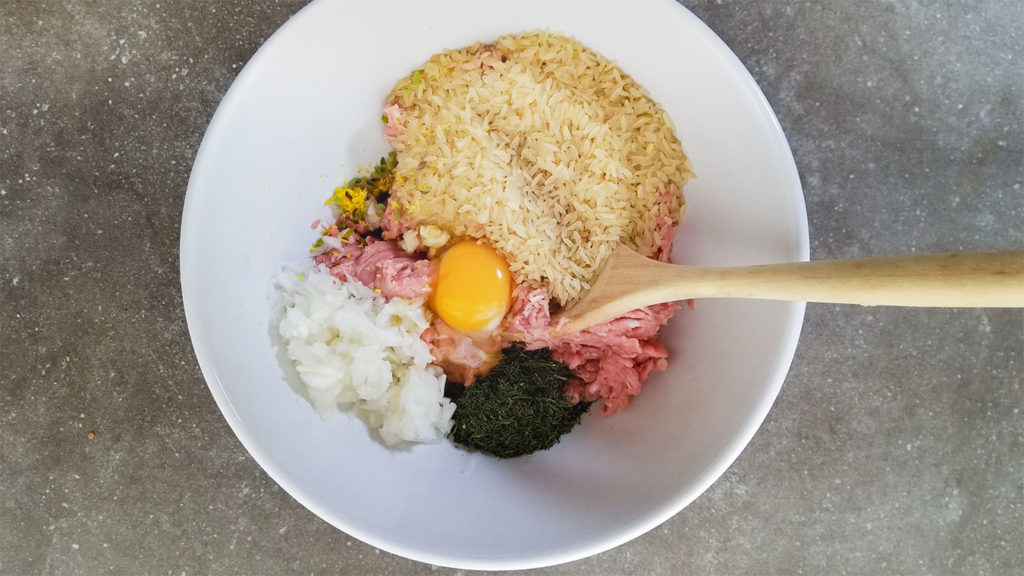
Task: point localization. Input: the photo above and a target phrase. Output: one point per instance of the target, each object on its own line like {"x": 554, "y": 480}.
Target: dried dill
{"x": 518, "y": 408}
{"x": 411, "y": 88}
{"x": 378, "y": 182}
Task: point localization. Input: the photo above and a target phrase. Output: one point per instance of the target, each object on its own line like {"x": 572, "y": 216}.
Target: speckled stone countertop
{"x": 896, "y": 445}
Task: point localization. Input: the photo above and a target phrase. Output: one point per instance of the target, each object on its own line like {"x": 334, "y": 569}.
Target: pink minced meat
{"x": 391, "y": 226}
{"x": 668, "y": 231}
{"x": 394, "y": 127}
{"x": 609, "y": 361}
{"x": 381, "y": 265}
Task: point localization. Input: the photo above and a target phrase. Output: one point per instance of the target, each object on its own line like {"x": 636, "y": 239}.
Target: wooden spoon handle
{"x": 979, "y": 279}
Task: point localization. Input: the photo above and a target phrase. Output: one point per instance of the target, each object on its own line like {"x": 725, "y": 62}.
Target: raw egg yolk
{"x": 474, "y": 287}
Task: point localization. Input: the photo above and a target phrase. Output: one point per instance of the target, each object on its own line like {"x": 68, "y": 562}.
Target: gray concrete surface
{"x": 896, "y": 446}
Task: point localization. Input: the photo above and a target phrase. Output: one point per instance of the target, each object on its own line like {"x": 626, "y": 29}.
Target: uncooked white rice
{"x": 545, "y": 149}
{"x": 354, "y": 349}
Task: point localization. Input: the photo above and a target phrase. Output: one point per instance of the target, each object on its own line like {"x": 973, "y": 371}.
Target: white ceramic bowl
{"x": 304, "y": 115}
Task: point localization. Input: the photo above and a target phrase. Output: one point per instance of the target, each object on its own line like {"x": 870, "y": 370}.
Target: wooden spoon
{"x": 957, "y": 279}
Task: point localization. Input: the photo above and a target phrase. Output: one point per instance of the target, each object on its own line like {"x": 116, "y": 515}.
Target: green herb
{"x": 415, "y": 82}
{"x": 378, "y": 182}
{"x": 519, "y": 407}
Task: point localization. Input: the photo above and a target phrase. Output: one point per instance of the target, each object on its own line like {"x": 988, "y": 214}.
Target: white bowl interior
{"x": 304, "y": 115}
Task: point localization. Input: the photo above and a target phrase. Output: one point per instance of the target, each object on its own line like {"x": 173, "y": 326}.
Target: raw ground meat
{"x": 381, "y": 265}
{"x": 609, "y": 361}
